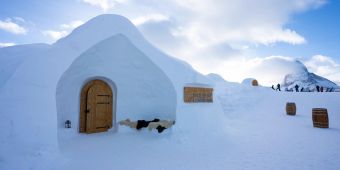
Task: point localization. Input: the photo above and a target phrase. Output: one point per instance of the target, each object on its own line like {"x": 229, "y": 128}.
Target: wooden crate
{"x": 320, "y": 118}
{"x": 198, "y": 94}
{"x": 291, "y": 109}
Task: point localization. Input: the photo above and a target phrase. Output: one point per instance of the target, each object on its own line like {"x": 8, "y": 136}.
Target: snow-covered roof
{"x": 198, "y": 85}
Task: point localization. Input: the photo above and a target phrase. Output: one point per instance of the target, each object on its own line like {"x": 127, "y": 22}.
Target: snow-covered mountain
{"x": 307, "y": 80}
{"x": 287, "y": 71}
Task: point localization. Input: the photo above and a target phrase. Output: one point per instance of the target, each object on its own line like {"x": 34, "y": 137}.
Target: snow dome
{"x": 127, "y": 84}
{"x": 250, "y": 82}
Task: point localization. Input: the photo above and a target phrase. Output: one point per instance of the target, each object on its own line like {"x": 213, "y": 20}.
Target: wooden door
{"x": 97, "y": 107}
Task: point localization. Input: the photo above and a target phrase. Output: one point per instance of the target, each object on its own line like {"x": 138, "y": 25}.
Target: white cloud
{"x": 237, "y": 21}
{"x": 64, "y": 30}
{"x": 216, "y": 35}
{"x": 267, "y": 70}
{"x": 149, "y": 18}
{"x": 19, "y": 19}
{"x": 220, "y": 35}
{"x": 12, "y": 27}
{"x": 55, "y": 34}
{"x": 324, "y": 66}
{"x": 6, "y": 44}
{"x": 72, "y": 25}
{"x": 271, "y": 70}
{"x": 105, "y": 5}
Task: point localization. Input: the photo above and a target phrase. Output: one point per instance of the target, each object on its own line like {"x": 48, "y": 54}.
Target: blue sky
{"x": 212, "y": 35}
{"x": 321, "y": 29}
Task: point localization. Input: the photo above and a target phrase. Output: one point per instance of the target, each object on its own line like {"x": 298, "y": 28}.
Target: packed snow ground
{"x": 253, "y": 133}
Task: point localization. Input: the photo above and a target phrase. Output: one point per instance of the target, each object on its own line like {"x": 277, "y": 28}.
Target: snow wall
{"x": 142, "y": 90}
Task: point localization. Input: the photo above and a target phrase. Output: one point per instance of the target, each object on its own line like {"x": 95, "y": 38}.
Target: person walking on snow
{"x": 278, "y": 87}
{"x": 296, "y": 88}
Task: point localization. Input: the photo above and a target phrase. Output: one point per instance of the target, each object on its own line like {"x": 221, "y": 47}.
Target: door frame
{"x": 83, "y": 101}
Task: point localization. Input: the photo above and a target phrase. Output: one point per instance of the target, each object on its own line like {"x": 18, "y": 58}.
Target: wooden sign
{"x": 198, "y": 94}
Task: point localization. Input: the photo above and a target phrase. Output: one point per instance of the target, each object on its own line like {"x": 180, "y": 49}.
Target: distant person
{"x": 273, "y": 87}
{"x": 302, "y": 89}
{"x": 331, "y": 90}
{"x": 318, "y": 88}
{"x": 296, "y": 88}
{"x": 278, "y": 87}
{"x": 321, "y": 89}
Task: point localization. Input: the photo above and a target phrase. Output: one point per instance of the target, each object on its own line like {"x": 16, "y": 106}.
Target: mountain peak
{"x": 307, "y": 80}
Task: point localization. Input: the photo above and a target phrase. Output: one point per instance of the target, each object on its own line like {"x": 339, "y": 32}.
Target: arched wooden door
{"x": 96, "y": 107}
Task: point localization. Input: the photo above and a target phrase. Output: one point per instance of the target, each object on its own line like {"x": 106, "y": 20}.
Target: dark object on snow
{"x": 143, "y": 123}
{"x": 160, "y": 129}
{"x": 321, "y": 89}
{"x": 278, "y": 87}
{"x": 318, "y": 88}
{"x": 296, "y": 88}
{"x": 302, "y": 89}
{"x": 68, "y": 124}
{"x": 320, "y": 118}
{"x": 291, "y": 109}
{"x": 273, "y": 87}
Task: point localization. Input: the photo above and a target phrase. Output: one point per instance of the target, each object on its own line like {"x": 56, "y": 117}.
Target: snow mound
{"x": 142, "y": 90}
{"x": 107, "y": 25}
{"x": 248, "y": 81}
{"x": 12, "y": 57}
{"x": 30, "y": 74}
{"x": 216, "y": 78}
